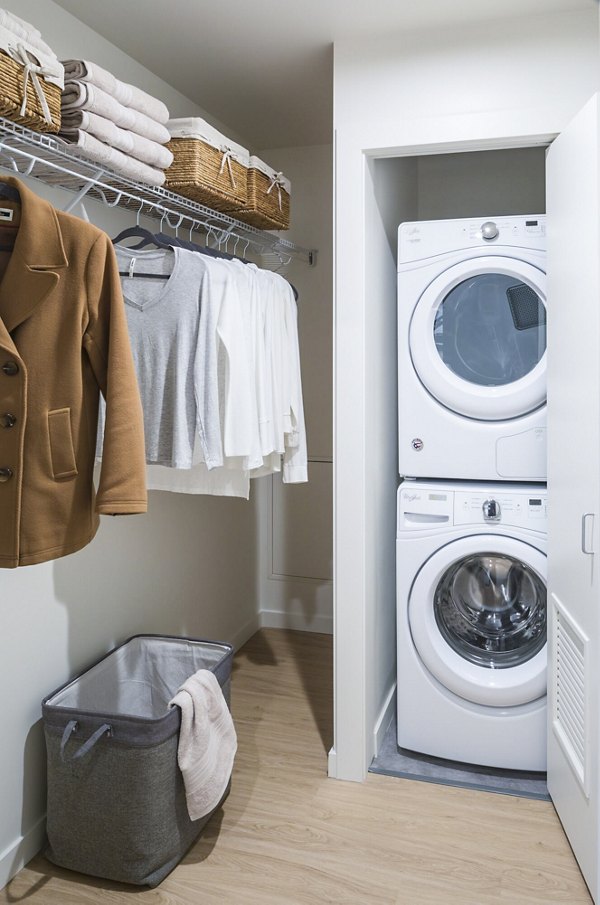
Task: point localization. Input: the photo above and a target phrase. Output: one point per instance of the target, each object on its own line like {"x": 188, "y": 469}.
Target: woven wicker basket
{"x": 208, "y": 167}
{"x": 268, "y": 204}
{"x": 11, "y": 98}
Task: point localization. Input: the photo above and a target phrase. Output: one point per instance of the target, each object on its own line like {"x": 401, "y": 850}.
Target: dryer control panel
{"x": 427, "y": 238}
{"x": 426, "y": 506}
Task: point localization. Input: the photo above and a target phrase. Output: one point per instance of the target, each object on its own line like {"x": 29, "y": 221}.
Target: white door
{"x": 478, "y": 338}
{"x": 573, "y": 206}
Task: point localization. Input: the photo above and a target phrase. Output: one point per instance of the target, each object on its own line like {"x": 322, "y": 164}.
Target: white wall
{"x": 70, "y": 38}
{"x": 187, "y": 567}
{"x": 296, "y": 589}
{"x": 391, "y": 195}
{"x": 503, "y": 84}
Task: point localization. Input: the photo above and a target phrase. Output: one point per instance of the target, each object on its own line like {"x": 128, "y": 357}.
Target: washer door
{"x": 478, "y": 338}
{"x": 477, "y": 614}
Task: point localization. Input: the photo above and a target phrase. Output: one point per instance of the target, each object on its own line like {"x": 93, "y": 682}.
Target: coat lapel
{"x": 6, "y": 342}
{"x": 36, "y": 263}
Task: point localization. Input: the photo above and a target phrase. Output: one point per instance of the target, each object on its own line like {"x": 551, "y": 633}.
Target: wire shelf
{"x": 57, "y": 163}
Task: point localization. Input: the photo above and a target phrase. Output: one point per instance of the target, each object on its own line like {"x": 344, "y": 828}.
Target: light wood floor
{"x": 289, "y": 836}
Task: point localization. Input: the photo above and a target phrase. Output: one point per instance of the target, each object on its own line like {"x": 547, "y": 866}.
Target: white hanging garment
{"x": 295, "y": 457}
{"x": 227, "y": 428}
{"x": 283, "y": 431}
{"x": 217, "y": 358}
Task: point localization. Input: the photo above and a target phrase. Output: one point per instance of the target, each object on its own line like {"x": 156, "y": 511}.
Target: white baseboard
{"x": 384, "y": 719}
{"x": 297, "y": 622}
{"x": 245, "y": 633}
{"x": 16, "y": 856}
{"x": 332, "y": 764}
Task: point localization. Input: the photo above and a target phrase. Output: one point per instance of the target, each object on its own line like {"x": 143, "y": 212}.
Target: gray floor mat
{"x": 394, "y": 761}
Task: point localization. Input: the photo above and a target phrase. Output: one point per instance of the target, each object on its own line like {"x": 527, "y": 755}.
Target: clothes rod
{"x": 24, "y": 153}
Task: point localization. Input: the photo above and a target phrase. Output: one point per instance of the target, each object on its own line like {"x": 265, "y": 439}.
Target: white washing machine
{"x": 472, "y": 349}
{"x": 471, "y": 622}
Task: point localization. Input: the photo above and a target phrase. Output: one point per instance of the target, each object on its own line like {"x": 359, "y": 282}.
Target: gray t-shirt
{"x": 163, "y": 318}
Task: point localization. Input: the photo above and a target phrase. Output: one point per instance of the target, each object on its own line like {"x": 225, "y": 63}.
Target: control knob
{"x": 489, "y": 230}
{"x": 491, "y": 511}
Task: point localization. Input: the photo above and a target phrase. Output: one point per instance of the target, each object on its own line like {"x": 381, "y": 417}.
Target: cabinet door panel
{"x": 574, "y": 482}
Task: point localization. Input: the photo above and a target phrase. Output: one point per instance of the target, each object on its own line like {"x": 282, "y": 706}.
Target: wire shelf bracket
{"x": 58, "y": 164}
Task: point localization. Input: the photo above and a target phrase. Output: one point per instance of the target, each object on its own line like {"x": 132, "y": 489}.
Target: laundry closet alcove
{"x": 194, "y": 565}
{"x": 438, "y": 126}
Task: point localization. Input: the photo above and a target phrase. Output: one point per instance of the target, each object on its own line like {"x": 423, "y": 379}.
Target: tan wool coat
{"x": 63, "y": 339}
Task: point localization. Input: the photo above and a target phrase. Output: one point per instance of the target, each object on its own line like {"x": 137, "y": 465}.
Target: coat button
{"x": 10, "y": 368}
{"x": 7, "y": 420}
{"x": 5, "y": 475}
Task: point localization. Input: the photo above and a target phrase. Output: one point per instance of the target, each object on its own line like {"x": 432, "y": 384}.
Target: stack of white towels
{"x": 115, "y": 124}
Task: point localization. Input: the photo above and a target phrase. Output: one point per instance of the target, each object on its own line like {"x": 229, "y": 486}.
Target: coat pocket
{"x": 62, "y": 452}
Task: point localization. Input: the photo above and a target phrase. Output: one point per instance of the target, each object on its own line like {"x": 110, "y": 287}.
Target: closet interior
{"x": 411, "y": 188}
{"x": 223, "y": 568}
{"x": 195, "y": 565}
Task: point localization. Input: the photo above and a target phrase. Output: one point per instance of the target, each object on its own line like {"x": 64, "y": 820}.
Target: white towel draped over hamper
{"x": 207, "y": 742}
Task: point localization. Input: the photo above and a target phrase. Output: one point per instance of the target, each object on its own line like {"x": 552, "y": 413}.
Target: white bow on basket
{"x": 277, "y": 180}
{"x": 227, "y": 156}
{"x": 31, "y": 70}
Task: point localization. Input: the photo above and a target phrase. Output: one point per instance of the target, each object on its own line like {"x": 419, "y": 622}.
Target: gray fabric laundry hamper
{"x": 116, "y": 799}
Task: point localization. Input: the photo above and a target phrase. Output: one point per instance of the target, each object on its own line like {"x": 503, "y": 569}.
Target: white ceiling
{"x": 265, "y": 67}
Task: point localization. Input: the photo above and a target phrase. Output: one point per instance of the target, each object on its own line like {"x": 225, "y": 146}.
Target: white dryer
{"x": 471, "y": 622}
{"x": 472, "y": 349}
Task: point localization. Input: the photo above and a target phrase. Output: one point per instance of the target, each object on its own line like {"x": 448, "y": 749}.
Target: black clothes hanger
{"x": 147, "y": 238}
{"x": 145, "y": 276}
{"x": 163, "y": 241}
{"x": 9, "y": 192}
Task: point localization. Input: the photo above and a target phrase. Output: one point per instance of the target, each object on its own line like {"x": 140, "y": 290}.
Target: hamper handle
{"x": 88, "y": 745}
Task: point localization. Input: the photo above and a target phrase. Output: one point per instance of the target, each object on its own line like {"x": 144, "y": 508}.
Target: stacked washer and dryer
{"x": 471, "y": 527}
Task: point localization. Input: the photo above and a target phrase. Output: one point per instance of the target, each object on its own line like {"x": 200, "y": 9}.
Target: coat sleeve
{"x": 122, "y": 488}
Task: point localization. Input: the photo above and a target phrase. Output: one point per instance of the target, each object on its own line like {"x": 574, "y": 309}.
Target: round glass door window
{"x": 491, "y": 609}
{"x": 490, "y": 329}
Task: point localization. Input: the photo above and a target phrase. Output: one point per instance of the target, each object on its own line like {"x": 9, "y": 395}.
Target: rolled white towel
{"x": 124, "y": 140}
{"x": 83, "y": 96}
{"x": 126, "y": 94}
{"x": 25, "y": 32}
{"x": 115, "y": 160}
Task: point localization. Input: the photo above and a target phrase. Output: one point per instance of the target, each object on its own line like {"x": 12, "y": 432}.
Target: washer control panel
{"x": 428, "y": 506}
{"x": 491, "y": 511}
{"x": 524, "y": 510}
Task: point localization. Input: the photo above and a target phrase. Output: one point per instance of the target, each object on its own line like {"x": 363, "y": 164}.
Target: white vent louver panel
{"x": 569, "y": 704}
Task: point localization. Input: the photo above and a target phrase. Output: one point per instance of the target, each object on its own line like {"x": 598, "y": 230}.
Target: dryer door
{"x": 477, "y": 614}
{"x": 478, "y": 338}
